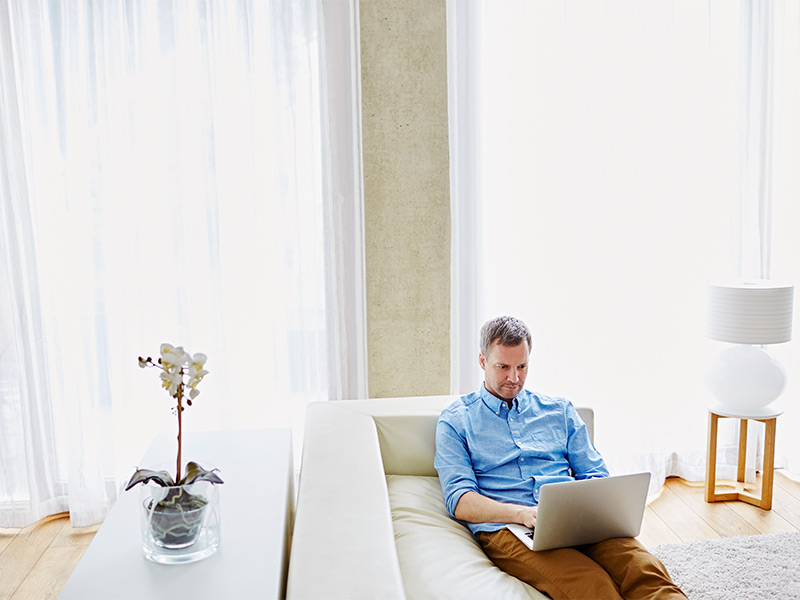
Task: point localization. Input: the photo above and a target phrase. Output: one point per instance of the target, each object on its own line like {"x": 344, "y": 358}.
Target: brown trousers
{"x": 618, "y": 568}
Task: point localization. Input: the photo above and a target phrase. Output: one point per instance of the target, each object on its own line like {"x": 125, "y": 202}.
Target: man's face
{"x": 505, "y": 369}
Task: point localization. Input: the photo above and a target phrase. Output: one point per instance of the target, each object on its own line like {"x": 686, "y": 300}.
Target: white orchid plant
{"x": 180, "y": 374}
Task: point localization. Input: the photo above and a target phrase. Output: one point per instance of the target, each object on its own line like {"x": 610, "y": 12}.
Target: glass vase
{"x": 179, "y": 524}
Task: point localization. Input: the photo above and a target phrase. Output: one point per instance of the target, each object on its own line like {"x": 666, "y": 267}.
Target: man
{"x": 495, "y": 448}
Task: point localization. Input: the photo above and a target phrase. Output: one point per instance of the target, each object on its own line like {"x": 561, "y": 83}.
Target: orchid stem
{"x": 180, "y": 410}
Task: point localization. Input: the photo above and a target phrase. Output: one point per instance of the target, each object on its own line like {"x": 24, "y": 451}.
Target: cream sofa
{"x": 370, "y": 522}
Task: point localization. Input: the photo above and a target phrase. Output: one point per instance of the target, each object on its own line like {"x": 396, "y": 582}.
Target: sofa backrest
{"x": 407, "y": 430}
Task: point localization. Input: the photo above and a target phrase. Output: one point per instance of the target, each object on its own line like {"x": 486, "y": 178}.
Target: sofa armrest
{"x": 343, "y": 542}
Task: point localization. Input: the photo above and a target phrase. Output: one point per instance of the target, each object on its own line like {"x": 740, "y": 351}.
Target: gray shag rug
{"x": 748, "y": 566}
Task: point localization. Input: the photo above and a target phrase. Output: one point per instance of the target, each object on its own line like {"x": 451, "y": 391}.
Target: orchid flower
{"x": 180, "y": 371}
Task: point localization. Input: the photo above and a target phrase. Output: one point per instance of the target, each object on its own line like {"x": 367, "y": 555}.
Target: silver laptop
{"x": 573, "y": 513}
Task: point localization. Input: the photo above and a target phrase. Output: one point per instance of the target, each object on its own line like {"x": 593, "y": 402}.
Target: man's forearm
{"x": 477, "y": 508}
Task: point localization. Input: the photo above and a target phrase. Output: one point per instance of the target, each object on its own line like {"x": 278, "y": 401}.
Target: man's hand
{"x": 528, "y": 516}
{"x": 477, "y": 508}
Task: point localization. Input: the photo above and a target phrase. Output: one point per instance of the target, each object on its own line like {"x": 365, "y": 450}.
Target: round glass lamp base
{"x": 746, "y": 378}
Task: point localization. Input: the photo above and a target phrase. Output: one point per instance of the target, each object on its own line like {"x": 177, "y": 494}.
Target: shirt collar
{"x": 494, "y": 403}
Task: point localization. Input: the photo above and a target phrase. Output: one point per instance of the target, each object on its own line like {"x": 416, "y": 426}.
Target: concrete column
{"x": 407, "y": 195}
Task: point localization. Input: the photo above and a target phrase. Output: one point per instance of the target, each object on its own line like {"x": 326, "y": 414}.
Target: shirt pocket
{"x": 544, "y": 443}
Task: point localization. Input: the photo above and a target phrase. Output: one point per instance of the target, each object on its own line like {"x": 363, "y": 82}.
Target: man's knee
{"x": 561, "y": 573}
{"x": 636, "y": 571}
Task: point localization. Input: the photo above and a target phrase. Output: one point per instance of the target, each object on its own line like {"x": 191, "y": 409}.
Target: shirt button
{"x": 522, "y": 459}
{"x": 511, "y": 418}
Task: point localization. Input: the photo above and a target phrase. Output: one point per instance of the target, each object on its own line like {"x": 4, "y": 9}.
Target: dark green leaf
{"x": 162, "y": 478}
{"x": 195, "y": 473}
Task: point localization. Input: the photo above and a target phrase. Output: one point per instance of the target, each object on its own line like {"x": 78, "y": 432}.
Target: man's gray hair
{"x": 506, "y": 331}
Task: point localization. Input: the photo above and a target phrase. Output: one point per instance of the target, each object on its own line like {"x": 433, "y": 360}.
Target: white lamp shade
{"x": 750, "y": 313}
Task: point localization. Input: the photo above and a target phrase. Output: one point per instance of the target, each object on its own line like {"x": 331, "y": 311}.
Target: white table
{"x": 257, "y": 508}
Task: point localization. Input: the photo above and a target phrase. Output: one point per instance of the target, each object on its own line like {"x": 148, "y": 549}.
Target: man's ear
{"x": 482, "y": 360}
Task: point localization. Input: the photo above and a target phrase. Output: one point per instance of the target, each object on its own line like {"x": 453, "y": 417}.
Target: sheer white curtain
{"x": 346, "y": 301}
{"x": 783, "y": 68}
{"x": 609, "y": 192}
{"x": 164, "y": 180}
{"x": 464, "y": 50}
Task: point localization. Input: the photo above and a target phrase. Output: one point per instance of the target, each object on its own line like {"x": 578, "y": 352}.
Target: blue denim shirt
{"x": 509, "y": 454}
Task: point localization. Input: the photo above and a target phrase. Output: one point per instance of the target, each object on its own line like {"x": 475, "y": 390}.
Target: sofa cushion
{"x": 439, "y": 557}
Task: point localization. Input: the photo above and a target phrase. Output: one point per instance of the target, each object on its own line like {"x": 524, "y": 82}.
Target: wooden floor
{"x": 681, "y": 514}
{"x": 36, "y": 562}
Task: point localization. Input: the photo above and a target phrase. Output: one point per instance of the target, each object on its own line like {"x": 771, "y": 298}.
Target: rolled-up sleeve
{"x": 584, "y": 459}
{"x": 454, "y": 465}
